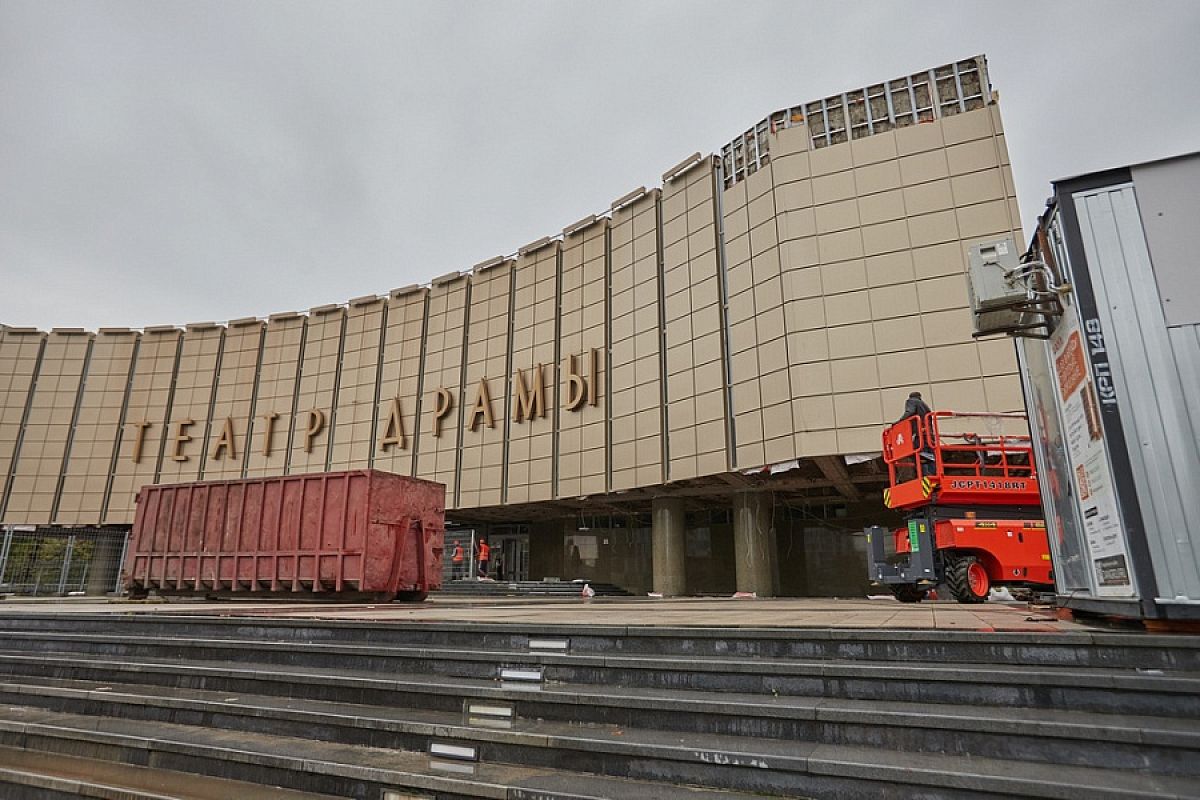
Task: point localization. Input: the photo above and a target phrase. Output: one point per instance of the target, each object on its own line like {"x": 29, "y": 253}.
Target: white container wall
{"x": 1114, "y": 393}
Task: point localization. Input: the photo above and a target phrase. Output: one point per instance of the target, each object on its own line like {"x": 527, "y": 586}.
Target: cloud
{"x": 172, "y": 162}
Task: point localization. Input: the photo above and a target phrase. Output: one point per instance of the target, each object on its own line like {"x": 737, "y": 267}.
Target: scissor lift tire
{"x": 967, "y": 579}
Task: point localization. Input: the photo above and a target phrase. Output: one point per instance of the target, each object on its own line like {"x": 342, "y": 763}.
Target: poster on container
{"x": 1095, "y": 493}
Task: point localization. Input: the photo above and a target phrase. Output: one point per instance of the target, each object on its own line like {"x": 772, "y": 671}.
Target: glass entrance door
{"x": 510, "y": 553}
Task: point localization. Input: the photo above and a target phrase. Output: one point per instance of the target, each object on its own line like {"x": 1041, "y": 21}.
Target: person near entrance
{"x": 456, "y": 561}
{"x": 485, "y": 553}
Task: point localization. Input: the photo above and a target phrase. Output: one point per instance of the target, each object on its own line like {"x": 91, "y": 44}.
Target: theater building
{"x": 682, "y": 394}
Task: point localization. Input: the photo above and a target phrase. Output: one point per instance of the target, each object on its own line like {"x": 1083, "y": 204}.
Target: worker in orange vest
{"x": 456, "y": 561}
{"x": 485, "y": 553}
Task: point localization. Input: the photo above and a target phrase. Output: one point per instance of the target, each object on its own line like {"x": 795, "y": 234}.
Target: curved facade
{"x": 772, "y": 303}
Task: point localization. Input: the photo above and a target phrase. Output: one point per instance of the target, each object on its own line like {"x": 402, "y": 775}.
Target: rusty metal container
{"x": 335, "y": 534}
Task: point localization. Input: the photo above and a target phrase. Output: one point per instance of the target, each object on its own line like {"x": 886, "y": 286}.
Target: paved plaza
{"x": 883, "y": 613}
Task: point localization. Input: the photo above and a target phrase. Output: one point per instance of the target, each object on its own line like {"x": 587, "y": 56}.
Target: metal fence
{"x": 61, "y": 562}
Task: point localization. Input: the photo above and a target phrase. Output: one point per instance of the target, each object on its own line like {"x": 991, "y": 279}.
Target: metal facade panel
{"x": 693, "y": 292}
{"x": 320, "y": 370}
{"x": 486, "y": 401}
{"x": 224, "y": 456}
{"x": 39, "y": 458}
{"x": 101, "y": 407}
{"x": 581, "y": 452}
{"x": 531, "y": 441}
{"x": 275, "y": 395}
{"x": 1170, "y": 206}
{"x": 143, "y": 439}
{"x": 20, "y": 358}
{"x": 437, "y": 455}
{"x": 400, "y": 391}
{"x": 191, "y": 404}
{"x": 1163, "y": 450}
{"x": 352, "y": 421}
{"x": 635, "y": 368}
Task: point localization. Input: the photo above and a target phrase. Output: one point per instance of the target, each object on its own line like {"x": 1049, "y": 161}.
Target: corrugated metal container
{"x": 362, "y": 532}
{"x": 1114, "y": 393}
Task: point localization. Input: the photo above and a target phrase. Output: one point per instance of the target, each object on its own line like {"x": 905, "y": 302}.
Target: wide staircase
{"x": 143, "y": 706}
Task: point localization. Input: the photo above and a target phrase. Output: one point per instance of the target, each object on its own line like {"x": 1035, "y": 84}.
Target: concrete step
{"x": 26, "y": 775}
{"x": 359, "y": 772}
{"x": 664, "y": 765}
{"x": 920, "y": 647}
{"x": 1113, "y": 690}
{"x": 295, "y": 703}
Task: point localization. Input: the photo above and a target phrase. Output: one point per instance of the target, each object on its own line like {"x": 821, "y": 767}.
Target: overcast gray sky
{"x": 169, "y": 162}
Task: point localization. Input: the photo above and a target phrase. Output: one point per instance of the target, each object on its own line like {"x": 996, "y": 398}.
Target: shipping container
{"x": 1112, "y": 382}
{"x": 344, "y": 535}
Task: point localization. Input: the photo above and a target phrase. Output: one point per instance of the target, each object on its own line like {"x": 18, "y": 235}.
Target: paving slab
{"x": 809, "y": 613}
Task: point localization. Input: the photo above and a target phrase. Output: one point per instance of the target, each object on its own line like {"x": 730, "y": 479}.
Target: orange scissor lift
{"x": 973, "y": 512}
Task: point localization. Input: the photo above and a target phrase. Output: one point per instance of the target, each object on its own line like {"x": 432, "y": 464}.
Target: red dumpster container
{"x": 338, "y": 534}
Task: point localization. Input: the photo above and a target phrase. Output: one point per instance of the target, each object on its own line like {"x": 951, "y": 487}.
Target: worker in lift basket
{"x": 916, "y": 410}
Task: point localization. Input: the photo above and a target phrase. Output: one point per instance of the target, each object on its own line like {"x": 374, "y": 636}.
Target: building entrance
{"x": 510, "y": 552}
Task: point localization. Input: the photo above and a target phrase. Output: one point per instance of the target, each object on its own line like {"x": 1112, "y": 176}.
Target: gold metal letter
{"x": 483, "y": 406}
{"x": 316, "y": 421}
{"x": 226, "y": 440}
{"x": 593, "y": 391}
{"x": 140, "y": 440}
{"x": 526, "y": 403}
{"x": 268, "y": 431}
{"x": 393, "y": 434}
{"x": 181, "y": 438}
{"x": 445, "y": 401}
{"x": 577, "y": 388}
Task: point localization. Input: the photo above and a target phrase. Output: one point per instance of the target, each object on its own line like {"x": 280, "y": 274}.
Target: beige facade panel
{"x": 142, "y": 439}
{"x": 38, "y": 461}
{"x": 530, "y": 467}
{"x": 695, "y": 349}
{"x": 582, "y": 453}
{"x": 352, "y": 424}
{"x": 635, "y": 371}
{"x": 442, "y": 378}
{"x": 486, "y": 403}
{"x": 876, "y": 299}
{"x": 191, "y": 404}
{"x": 232, "y": 427}
{"x": 320, "y": 366}
{"x": 397, "y": 432}
{"x": 266, "y": 452}
{"x": 20, "y": 355}
{"x": 97, "y": 429}
{"x": 759, "y": 375}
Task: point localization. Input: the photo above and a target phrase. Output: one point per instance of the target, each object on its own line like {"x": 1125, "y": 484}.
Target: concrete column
{"x": 668, "y": 543}
{"x": 754, "y": 543}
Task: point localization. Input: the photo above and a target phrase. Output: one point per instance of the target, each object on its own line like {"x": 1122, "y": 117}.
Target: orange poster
{"x": 1070, "y": 366}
